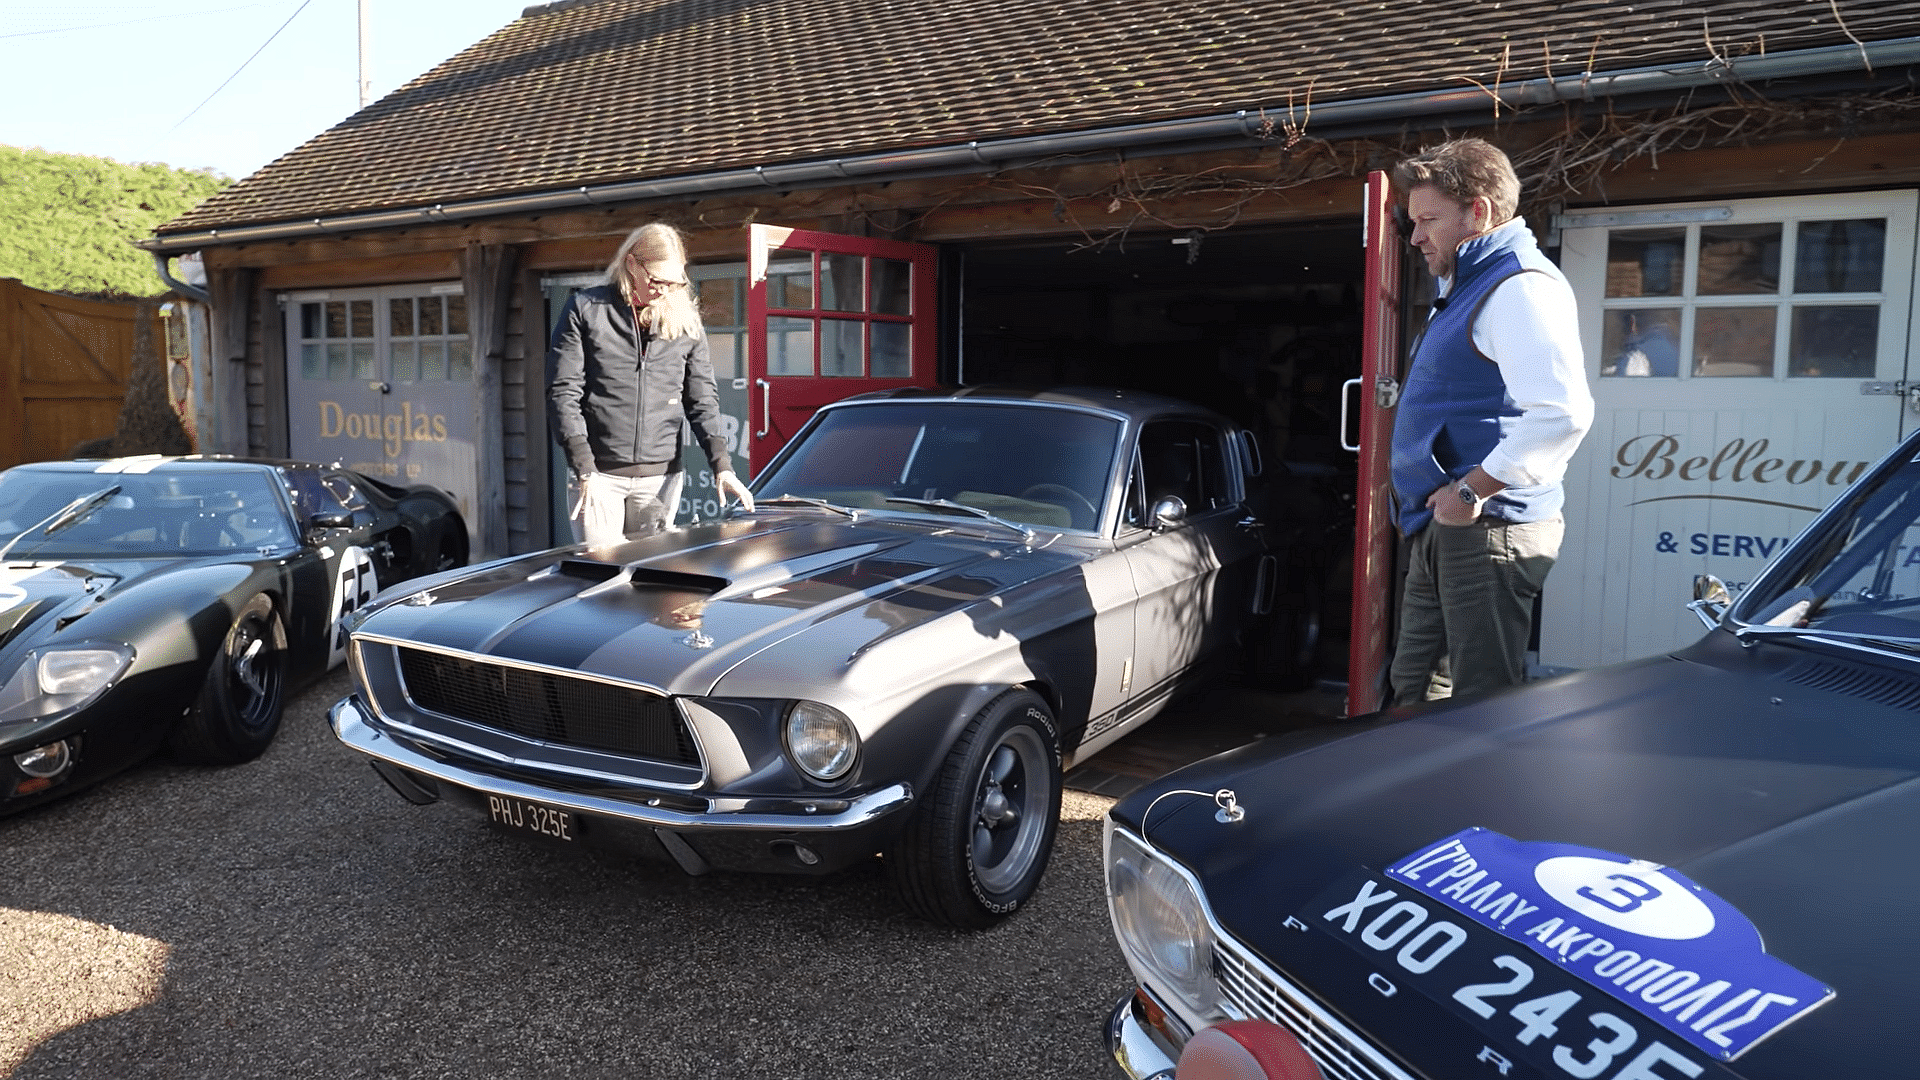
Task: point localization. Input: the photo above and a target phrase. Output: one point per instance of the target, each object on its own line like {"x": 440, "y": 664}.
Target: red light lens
{"x": 1246, "y": 1050}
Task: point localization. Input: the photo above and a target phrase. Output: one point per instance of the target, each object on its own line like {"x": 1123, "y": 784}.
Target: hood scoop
{"x": 639, "y": 576}
{"x": 675, "y": 579}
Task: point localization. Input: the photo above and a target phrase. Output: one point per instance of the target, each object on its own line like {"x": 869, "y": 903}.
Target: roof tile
{"x": 601, "y": 91}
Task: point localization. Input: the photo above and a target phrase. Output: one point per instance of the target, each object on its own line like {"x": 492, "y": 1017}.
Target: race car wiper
{"x": 1025, "y": 532}
{"x": 1743, "y": 632}
{"x": 802, "y": 500}
{"x": 64, "y": 517}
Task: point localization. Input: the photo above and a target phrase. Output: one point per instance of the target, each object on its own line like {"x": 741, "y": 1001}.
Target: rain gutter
{"x": 1329, "y": 118}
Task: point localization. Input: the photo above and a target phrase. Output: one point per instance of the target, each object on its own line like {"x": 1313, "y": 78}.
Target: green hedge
{"x": 66, "y": 219}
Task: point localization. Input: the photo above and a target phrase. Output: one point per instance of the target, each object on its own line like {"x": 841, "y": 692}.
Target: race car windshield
{"x": 1044, "y": 467}
{"x": 158, "y": 513}
{"x": 1858, "y": 575}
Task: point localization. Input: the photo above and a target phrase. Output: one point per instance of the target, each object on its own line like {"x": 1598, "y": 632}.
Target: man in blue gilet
{"x": 1495, "y": 403}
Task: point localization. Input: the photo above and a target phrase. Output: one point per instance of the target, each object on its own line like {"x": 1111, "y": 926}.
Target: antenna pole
{"x": 366, "y": 56}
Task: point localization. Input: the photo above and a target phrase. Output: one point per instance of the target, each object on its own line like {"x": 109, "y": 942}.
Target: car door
{"x": 830, "y": 316}
{"x": 1193, "y": 578}
{"x": 335, "y": 574}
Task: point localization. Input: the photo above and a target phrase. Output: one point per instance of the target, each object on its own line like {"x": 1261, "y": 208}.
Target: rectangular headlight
{"x": 1161, "y": 924}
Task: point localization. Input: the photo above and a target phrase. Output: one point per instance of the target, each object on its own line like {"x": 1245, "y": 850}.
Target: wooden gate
{"x": 64, "y": 364}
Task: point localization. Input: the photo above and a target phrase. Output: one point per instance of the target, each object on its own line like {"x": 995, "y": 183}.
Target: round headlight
{"x": 78, "y": 672}
{"x": 45, "y": 762}
{"x": 821, "y": 740}
{"x": 1161, "y": 924}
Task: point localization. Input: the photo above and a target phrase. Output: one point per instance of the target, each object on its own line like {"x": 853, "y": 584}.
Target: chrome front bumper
{"x": 355, "y": 727}
{"x": 1139, "y": 1055}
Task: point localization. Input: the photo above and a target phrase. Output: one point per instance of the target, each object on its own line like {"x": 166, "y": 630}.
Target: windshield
{"x": 1038, "y": 466}
{"x": 1859, "y": 574}
{"x": 202, "y": 512}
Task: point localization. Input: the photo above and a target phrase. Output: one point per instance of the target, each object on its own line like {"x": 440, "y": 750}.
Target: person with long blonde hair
{"x": 627, "y": 369}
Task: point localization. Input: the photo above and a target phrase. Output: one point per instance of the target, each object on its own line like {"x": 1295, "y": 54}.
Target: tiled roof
{"x": 598, "y": 91}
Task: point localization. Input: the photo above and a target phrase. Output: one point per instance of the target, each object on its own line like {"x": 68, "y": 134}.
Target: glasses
{"x": 639, "y": 268}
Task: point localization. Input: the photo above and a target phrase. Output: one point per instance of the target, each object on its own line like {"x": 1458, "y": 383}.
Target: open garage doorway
{"x": 1260, "y": 324}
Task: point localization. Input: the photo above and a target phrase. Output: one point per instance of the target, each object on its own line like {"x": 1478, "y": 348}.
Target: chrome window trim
{"x": 1362, "y": 1053}
{"x": 467, "y": 749}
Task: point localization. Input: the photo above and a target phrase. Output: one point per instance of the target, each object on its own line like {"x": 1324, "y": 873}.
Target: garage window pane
{"x": 1646, "y": 262}
{"x": 313, "y": 364}
{"x": 433, "y": 360}
{"x": 892, "y": 350}
{"x": 456, "y": 314}
{"x": 1834, "y": 342}
{"x": 405, "y": 363}
{"x": 1840, "y": 256}
{"x": 790, "y": 287}
{"x": 430, "y": 321}
{"x": 336, "y": 319}
{"x": 337, "y": 361}
{"x": 892, "y": 286}
{"x": 841, "y": 343}
{"x": 725, "y": 350}
{"x": 718, "y": 304}
{"x": 363, "y": 361}
{"x": 841, "y": 282}
{"x": 1733, "y": 341}
{"x": 362, "y": 316}
{"x": 400, "y": 317}
{"x": 789, "y": 346}
{"x": 1738, "y": 260}
{"x": 459, "y": 361}
{"x": 1638, "y": 342}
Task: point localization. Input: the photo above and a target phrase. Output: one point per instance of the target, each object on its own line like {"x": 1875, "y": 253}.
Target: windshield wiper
{"x": 1742, "y": 632}
{"x": 802, "y": 500}
{"x": 1026, "y": 532}
{"x": 64, "y": 517}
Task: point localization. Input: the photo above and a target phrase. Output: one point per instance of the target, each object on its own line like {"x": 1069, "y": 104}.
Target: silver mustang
{"x": 942, "y": 600}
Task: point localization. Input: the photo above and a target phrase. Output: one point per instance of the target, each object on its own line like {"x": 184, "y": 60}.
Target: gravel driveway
{"x": 294, "y": 918}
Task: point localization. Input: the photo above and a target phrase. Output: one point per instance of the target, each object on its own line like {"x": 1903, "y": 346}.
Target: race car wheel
{"x": 979, "y": 841}
{"x": 238, "y": 710}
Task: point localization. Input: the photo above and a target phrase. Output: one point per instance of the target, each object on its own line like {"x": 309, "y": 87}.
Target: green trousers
{"x": 1466, "y": 613}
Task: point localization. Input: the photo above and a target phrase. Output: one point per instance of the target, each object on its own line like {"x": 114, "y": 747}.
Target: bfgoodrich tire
{"x": 979, "y": 842}
{"x": 238, "y": 711}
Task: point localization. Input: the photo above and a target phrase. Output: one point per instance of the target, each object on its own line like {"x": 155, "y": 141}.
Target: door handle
{"x": 766, "y": 408}
{"x": 1346, "y": 395}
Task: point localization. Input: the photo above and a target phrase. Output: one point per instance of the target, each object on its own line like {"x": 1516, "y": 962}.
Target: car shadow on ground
{"x": 1214, "y": 720}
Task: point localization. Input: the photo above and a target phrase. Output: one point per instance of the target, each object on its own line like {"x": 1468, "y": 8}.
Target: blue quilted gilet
{"x": 1454, "y": 408}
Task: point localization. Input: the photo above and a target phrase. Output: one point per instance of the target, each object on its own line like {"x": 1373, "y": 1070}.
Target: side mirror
{"x": 1710, "y": 599}
{"x": 1168, "y": 511}
{"x": 326, "y": 521}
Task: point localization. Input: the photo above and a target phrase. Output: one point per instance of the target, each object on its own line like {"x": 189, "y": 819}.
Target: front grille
{"x": 549, "y": 706}
{"x": 1256, "y": 992}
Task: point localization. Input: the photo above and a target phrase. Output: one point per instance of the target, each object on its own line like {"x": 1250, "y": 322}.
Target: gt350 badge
{"x": 1648, "y": 935}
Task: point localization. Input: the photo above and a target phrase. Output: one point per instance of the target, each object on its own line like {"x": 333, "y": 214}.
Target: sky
{"x": 142, "y": 81}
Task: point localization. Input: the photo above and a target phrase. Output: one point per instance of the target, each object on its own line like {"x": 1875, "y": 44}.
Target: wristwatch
{"x": 1467, "y": 494}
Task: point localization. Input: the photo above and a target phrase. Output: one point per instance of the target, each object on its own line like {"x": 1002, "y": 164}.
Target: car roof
{"x": 1137, "y": 405}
